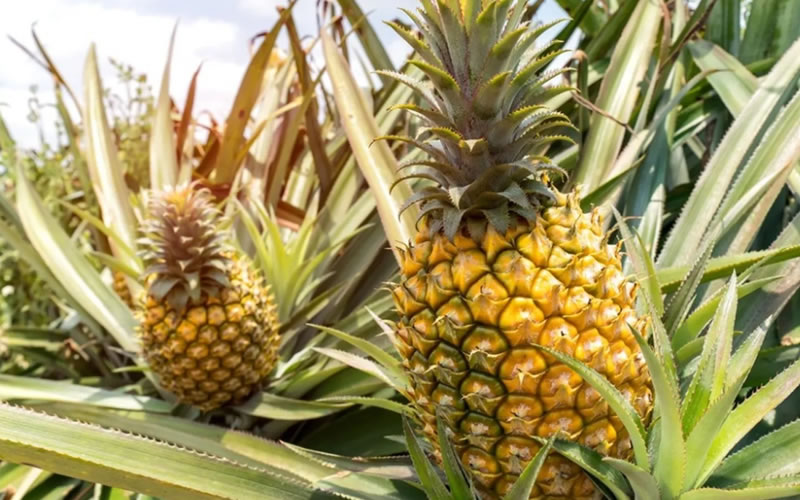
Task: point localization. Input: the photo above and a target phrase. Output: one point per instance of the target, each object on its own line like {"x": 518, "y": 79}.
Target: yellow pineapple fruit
{"x": 208, "y": 324}
{"x": 120, "y": 286}
{"x": 503, "y": 262}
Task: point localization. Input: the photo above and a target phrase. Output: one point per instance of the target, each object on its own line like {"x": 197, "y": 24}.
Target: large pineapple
{"x": 502, "y": 261}
{"x": 208, "y": 324}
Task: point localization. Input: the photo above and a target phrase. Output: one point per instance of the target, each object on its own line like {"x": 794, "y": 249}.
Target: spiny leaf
{"x": 430, "y": 480}
{"x": 459, "y": 488}
{"x": 524, "y": 485}
{"x": 616, "y": 401}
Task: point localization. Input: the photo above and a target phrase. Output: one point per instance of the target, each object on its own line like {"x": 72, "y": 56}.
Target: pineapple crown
{"x": 486, "y": 122}
{"x": 185, "y": 252}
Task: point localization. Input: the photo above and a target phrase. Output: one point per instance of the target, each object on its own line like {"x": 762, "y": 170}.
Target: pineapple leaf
{"x": 163, "y": 163}
{"x": 376, "y": 161}
{"x": 489, "y": 98}
{"x": 430, "y": 480}
{"x": 616, "y": 401}
{"x": 445, "y": 84}
{"x": 767, "y": 489}
{"x": 391, "y": 467}
{"x": 386, "y": 360}
{"x": 246, "y": 97}
{"x": 619, "y": 92}
{"x": 128, "y": 252}
{"x": 386, "y": 404}
{"x": 103, "y": 161}
{"x": 719, "y": 267}
{"x": 481, "y": 39}
{"x": 456, "y": 37}
{"x": 745, "y": 416}
{"x": 71, "y": 269}
{"x": 642, "y": 264}
{"x": 713, "y": 184}
{"x": 419, "y": 46}
{"x": 129, "y": 461}
{"x": 524, "y": 485}
{"x": 742, "y": 361}
{"x": 698, "y": 442}
{"x": 277, "y": 407}
{"x": 238, "y": 447}
{"x": 684, "y": 297}
{"x": 364, "y": 365}
{"x": 773, "y": 455}
{"x": 691, "y": 327}
{"x": 733, "y": 83}
{"x": 643, "y": 484}
{"x": 670, "y": 459}
{"x": 459, "y": 487}
{"x": 17, "y": 388}
{"x": 594, "y": 463}
{"x": 709, "y": 379}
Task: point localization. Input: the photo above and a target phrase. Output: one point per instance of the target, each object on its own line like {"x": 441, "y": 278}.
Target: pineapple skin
{"x": 469, "y": 314}
{"x": 120, "y": 286}
{"x": 217, "y": 350}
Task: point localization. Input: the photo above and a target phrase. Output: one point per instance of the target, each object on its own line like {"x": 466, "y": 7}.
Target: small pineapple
{"x": 503, "y": 261}
{"x": 208, "y": 324}
{"x": 120, "y": 286}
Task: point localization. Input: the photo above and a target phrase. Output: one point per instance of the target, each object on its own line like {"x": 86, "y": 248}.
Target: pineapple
{"x": 120, "y": 286}
{"x": 208, "y": 324}
{"x": 503, "y": 261}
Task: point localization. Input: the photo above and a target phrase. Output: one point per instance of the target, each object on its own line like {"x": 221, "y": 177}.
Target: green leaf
{"x": 720, "y": 267}
{"x": 767, "y": 489}
{"x": 430, "y": 480}
{"x": 246, "y": 97}
{"x": 681, "y": 302}
{"x": 732, "y": 82}
{"x": 592, "y": 462}
{"x": 616, "y": 401}
{"x": 644, "y": 485}
{"x": 132, "y": 462}
{"x": 14, "y": 388}
{"x": 71, "y": 269}
{"x": 775, "y": 454}
{"x": 384, "y": 358}
{"x": 163, "y": 162}
{"x": 670, "y": 460}
{"x": 524, "y": 484}
{"x": 709, "y": 379}
{"x": 642, "y": 264}
{"x": 711, "y": 188}
{"x": 698, "y": 442}
{"x": 394, "y": 467}
{"x": 104, "y": 166}
{"x": 619, "y": 93}
{"x": 459, "y": 488}
{"x": 376, "y": 161}
{"x": 268, "y": 405}
{"x": 745, "y": 416}
{"x": 237, "y": 447}
{"x": 364, "y": 365}
{"x": 691, "y": 328}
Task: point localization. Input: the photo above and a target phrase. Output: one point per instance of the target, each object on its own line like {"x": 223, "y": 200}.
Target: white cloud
{"x": 67, "y": 28}
{"x": 264, "y": 8}
{"x": 137, "y": 32}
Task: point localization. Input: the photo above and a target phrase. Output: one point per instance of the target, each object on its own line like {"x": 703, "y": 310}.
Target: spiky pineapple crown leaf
{"x": 185, "y": 252}
{"x": 486, "y": 127}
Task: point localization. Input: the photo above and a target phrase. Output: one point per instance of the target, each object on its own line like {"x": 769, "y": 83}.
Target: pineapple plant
{"x": 503, "y": 261}
{"x": 208, "y": 323}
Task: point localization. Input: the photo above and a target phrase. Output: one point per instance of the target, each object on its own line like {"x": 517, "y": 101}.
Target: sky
{"x": 212, "y": 32}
